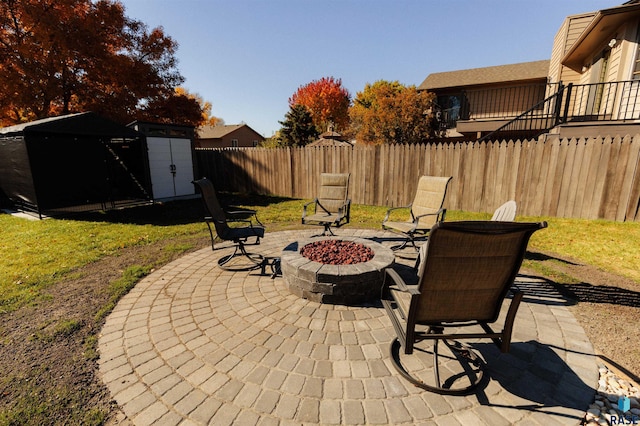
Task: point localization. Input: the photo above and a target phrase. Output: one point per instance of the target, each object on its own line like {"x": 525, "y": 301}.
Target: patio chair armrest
{"x": 399, "y": 282}
{"x": 386, "y": 217}
{"x": 441, "y": 213}
{"x": 239, "y": 210}
{"x": 249, "y": 222}
{"x": 345, "y": 210}
{"x": 306, "y": 205}
{"x": 244, "y": 213}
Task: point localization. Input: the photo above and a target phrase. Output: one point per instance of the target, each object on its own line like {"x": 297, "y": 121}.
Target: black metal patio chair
{"x": 242, "y": 230}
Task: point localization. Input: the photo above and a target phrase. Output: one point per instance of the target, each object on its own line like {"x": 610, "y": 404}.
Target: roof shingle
{"x": 498, "y": 74}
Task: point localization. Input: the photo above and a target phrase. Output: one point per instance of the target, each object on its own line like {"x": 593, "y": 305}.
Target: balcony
{"x": 528, "y": 111}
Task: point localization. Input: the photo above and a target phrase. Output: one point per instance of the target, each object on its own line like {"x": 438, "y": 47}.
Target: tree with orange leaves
{"x": 327, "y": 101}
{"x": 389, "y": 112}
{"x": 181, "y": 107}
{"x": 64, "y": 56}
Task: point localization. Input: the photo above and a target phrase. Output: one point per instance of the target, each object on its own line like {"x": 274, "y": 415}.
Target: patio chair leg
{"x": 436, "y": 364}
{"x": 211, "y": 235}
{"x": 463, "y": 354}
{"x": 256, "y": 259}
{"x": 326, "y": 232}
{"x": 409, "y": 240}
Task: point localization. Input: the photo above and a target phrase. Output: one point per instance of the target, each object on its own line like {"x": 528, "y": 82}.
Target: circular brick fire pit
{"x": 344, "y": 284}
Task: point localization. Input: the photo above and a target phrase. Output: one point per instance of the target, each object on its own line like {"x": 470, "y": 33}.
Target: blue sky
{"x": 247, "y": 57}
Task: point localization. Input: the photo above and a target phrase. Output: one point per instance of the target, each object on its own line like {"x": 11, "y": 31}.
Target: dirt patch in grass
{"x": 48, "y": 364}
{"x": 48, "y": 358}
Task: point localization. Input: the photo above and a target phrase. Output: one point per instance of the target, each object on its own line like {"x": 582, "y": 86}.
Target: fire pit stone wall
{"x": 335, "y": 284}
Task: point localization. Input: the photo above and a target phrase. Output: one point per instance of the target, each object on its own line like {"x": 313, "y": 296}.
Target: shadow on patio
{"x": 194, "y": 343}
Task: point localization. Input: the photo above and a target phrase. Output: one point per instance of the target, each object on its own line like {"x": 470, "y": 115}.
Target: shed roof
{"x": 84, "y": 123}
{"x": 524, "y": 71}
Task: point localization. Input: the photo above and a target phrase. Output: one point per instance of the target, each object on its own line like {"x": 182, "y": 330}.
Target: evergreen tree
{"x": 297, "y": 128}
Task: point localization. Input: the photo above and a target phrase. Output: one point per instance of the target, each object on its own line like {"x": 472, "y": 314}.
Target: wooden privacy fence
{"x": 581, "y": 178}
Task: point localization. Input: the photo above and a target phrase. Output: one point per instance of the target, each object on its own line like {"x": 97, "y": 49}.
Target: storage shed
{"x": 76, "y": 162}
{"x": 171, "y": 160}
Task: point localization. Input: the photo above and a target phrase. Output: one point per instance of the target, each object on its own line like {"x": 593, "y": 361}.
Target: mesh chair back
{"x": 334, "y": 190}
{"x": 212, "y": 205}
{"x": 429, "y": 199}
{"x": 468, "y": 268}
{"x": 506, "y": 212}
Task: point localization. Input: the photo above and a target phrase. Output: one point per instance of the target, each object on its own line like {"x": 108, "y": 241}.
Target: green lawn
{"x": 37, "y": 254}
{"x": 34, "y": 254}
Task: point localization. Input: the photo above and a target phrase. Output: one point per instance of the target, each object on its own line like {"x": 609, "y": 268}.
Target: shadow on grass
{"x": 584, "y": 291}
{"x": 540, "y": 257}
{"x": 169, "y": 213}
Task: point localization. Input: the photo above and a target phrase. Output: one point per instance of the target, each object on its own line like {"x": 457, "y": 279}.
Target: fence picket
{"x": 633, "y": 201}
{"x": 588, "y": 178}
{"x": 626, "y": 177}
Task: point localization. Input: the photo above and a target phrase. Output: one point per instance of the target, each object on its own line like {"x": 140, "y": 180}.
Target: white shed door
{"x": 170, "y": 166}
{"x": 183, "y": 166}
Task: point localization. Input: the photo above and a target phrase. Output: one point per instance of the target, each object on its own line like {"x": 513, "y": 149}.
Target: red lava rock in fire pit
{"x": 337, "y": 252}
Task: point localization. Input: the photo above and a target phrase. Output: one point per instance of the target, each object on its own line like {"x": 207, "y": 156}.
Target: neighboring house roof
{"x": 329, "y": 142}
{"x": 330, "y": 138}
{"x": 215, "y": 132}
{"x": 218, "y": 132}
{"x": 476, "y": 76}
{"x": 603, "y": 27}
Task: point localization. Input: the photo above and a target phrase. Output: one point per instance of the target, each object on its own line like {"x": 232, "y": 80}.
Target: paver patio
{"x": 193, "y": 344}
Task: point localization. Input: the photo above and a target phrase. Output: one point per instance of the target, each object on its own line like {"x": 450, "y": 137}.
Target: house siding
{"x": 569, "y": 32}
{"x": 557, "y": 52}
{"x": 576, "y": 26}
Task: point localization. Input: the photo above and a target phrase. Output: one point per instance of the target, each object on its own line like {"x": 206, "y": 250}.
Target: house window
{"x": 635, "y": 74}
{"x": 234, "y": 143}
{"x": 255, "y": 143}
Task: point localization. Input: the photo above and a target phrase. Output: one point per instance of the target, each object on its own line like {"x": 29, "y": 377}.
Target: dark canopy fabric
{"x": 85, "y": 123}
{"x": 73, "y": 162}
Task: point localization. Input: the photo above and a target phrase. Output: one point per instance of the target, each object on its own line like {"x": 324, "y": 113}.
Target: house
{"x": 466, "y": 98}
{"x": 227, "y": 135}
{"x": 591, "y": 85}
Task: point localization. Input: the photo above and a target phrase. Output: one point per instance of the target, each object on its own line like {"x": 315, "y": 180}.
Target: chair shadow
{"x": 551, "y": 292}
{"x": 537, "y": 256}
{"x": 541, "y": 291}
{"x": 537, "y": 378}
{"x": 585, "y": 292}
